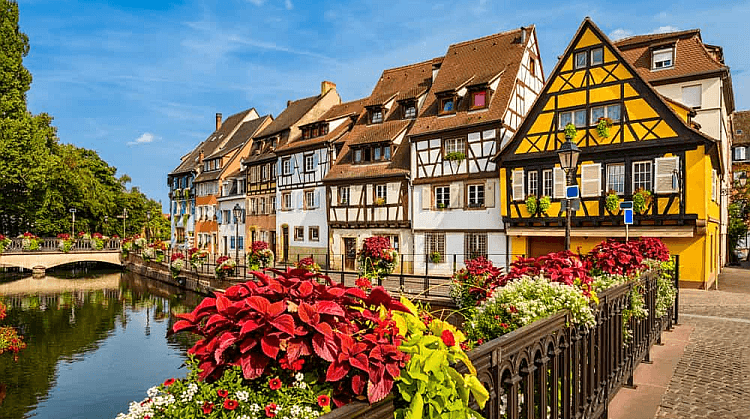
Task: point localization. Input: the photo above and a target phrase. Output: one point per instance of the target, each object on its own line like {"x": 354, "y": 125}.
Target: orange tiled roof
{"x": 741, "y": 121}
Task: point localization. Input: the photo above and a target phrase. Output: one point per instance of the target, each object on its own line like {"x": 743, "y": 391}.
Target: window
{"x": 410, "y": 110}
{"x": 314, "y": 131}
{"x": 455, "y": 145}
{"x": 314, "y": 233}
{"x": 434, "y": 243}
{"x": 691, "y": 96}
{"x": 739, "y": 153}
{"x": 392, "y": 238}
{"x": 358, "y": 155}
{"x": 533, "y": 178}
{"x": 273, "y": 204}
{"x": 642, "y": 175}
{"x": 738, "y": 132}
{"x": 578, "y": 118}
{"x": 240, "y": 242}
{"x": 344, "y": 195}
{"x": 264, "y": 172}
{"x": 376, "y": 116}
{"x": 309, "y": 163}
{"x": 597, "y": 56}
{"x": 376, "y": 153}
{"x": 386, "y": 152}
{"x": 532, "y": 66}
{"x": 309, "y": 199}
{"x": 286, "y": 200}
{"x": 273, "y": 170}
{"x": 324, "y": 129}
{"x": 299, "y": 234}
{"x": 475, "y": 245}
{"x": 262, "y": 206}
{"x": 447, "y": 105}
{"x": 442, "y": 196}
{"x": 547, "y": 182}
{"x": 286, "y": 165}
{"x": 662, "y": 58}
{"x": 580, "y": 59}
{"x": 616, "y": 178}
{"x": 479, "y": 99}
{"x": 231, "y": 241}
{"x": 476, "y": 196}
{"x": 381, "y": 192}
{"x": 610, "y": 111}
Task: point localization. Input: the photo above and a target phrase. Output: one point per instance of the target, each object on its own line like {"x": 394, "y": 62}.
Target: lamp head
{"x": 568, "y": 154}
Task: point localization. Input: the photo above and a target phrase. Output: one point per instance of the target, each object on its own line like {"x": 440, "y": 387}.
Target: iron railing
{"x": 51, "y": 244}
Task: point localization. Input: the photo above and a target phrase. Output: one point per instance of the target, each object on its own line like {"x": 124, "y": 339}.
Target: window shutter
{"x": 558, "y": 187}
{"x": 426, "y": 197}
{"x": 591, "y": 180}
{"x": 301, "y": 200}
{"x": 316, "y": 160}
{"x": 355, "y": 194}
{"x": 218, "y": 217}
{"x": 455, "y": 195}
{"x": 664, "y": 172}
{"x": 518, "y": 184}
{"x": 393, "y": 191}
{"x": 691, "y": 96}
{"x": 317, "y": 199}
{"x": 489, "y": 195}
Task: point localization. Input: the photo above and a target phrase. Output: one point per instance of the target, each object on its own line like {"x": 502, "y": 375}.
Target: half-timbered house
{"x": 481, "y": 91}
{"x": 367, "y": 189}
{"x": 303, "y": 163}
{"x": 635, "y": 146}
{"x": 263, "y": 169}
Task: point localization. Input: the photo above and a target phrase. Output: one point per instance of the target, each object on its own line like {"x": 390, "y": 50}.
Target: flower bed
{"x": 197, "y": 257}
{"x": 29, "y": 242}
{"x": 64, "y": 242}
{"x": 225, "y": 266}
{"x": 260, "y": 256}
{"x": 4, "y": 243}
{"x": 377, "y": 258}
{"x": 177, "y": 264}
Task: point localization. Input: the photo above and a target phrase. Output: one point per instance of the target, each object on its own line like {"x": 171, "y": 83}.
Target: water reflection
{"x": 94, "y": 344}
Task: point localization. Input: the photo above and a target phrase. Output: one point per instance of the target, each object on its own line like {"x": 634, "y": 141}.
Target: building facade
{"x": 648, "y": 151}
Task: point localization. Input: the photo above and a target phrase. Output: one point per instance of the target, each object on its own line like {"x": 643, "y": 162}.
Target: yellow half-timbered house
{"x": 635, "y": 146}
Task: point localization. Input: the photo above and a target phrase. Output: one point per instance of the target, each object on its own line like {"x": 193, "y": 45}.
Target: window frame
{"x": 585, "y": 64}
{"x": 299, "y": 233}
{"x": 472, "y": 240}
{"x": 380, "y": 191}
{"x": 548, "y": 180}
{"x": 309, "y": 195}
{"x": 650, "y": 180}
{"x": 376, "y": 112}
{"x": 434, "y": 242}
{"x": 473, "y": 94}
{"x": 286, "y": 201}
{"x": 442, "y": 195}
{"x": 442, "y": 101}
{"x": 591, "y": 56}
{"x": 316, "y": 236}
{"x": 475, "y": 201}
{"x": 654, "y": 52}
{"x": 286, "y": 166}
{"x": 450, "y": 145}
{"x": 309, "y": 159}
{"x": 606, "y": 107}
{"x": 610, "y": 181}
{"x": 572, "y": 113}
{"x": 409, "y": 106}
{"x": 348, "y": 195}
{"x": 532, "y": 187}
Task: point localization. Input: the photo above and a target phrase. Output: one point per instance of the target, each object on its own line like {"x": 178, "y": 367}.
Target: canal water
{"x": 95, "y": 343}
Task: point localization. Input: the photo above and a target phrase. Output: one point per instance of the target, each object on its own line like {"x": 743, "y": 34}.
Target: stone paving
{"x": 712, "y": 378}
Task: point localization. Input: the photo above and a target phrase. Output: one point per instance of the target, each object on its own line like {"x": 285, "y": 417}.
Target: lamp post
{"x": 123, "y": 216}
{"x": 73, "y": 228}
{"x": 148, "y": 226}
{"x": 568, "y": 154}
{"x": 106, "y": 223}
{"x": 237, "y": 213}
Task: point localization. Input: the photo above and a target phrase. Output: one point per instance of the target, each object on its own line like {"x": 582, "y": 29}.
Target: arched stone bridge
{"x": 49, "y": 255}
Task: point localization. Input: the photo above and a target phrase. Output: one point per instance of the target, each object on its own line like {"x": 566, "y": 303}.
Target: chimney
{"x": 325, "y": 86}
{"x": 288, "y": 102}
{"x": 200, "y": 158}
{"x": 523, "y": 35}
{"x": 218, "y": 123}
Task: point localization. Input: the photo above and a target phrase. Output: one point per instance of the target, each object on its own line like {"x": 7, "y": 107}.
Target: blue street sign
{"x": 627, "y": 214}
{"x": 571, "y": 192}
{"x": 626, "y": 205}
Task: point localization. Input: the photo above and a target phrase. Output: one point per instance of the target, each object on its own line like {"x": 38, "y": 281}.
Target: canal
{"x": 96, "y": 342}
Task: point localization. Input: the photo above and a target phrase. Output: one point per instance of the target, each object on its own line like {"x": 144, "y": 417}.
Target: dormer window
{"x": 479, "y": 99}
{"x": 410, "y": 110}
{"x": 580, "y": 59}
{"x": 662, "y": 58}
{"x": 376, "y": 115}
{"x": 373, "y": 153}
{"x": 447, "y": 105}
{"x": 597, "y": 56}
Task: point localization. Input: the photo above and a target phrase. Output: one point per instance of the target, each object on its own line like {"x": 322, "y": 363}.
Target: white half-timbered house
{"x": 480, "y": 93}
{"x": 367, "y": 189}
{"x": 302, "y": 164}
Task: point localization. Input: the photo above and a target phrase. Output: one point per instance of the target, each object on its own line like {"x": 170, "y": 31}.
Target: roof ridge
{"x": 486, "y": 37}
{"x": 403, "y": 67}
{"x": 662, "y": 35}
{"x": 709, "y": 56}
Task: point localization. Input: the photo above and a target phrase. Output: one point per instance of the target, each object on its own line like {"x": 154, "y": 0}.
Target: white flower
{"x": 153, "y": 391}
{"x": 299, "y": 376}
{"x": 242, "y": 395}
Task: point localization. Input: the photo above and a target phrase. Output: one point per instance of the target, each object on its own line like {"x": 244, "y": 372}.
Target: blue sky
{"x": 141, "y": 81}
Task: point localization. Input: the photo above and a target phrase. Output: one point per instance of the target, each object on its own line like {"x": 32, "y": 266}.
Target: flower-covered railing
{"x": 65, "y": 243}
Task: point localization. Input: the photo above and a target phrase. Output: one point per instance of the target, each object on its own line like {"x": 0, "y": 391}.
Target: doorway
{"x": 272, "y": 243}
{"x": 285, "y": 237}
{"x": 350, "y": 253}
{"x": 539, "y": 246}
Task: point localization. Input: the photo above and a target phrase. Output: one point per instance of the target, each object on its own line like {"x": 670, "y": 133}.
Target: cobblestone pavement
{"x": 712, "y": 379}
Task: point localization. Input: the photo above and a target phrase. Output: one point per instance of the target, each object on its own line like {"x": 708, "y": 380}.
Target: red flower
{"x": 274, "y": 383}
{"x": 270, "y": 410}
{"x": 169, "y": 382}
{"x": 207, "y": 408}
{"x": 363, "y": 283}
{"x": 324, "y": 400}
{"x": 222, "y": 393}
{"x": 230, "y": 404}
{"x": 448, "y": 338}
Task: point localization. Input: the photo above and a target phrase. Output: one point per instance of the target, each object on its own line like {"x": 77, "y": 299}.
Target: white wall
{"x": 298, "y": 216}
{"x": 229, "y": 230}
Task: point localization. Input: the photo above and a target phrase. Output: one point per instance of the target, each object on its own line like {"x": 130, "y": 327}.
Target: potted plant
{"x": 225, "y": 267}
{"x": 308, "y": 264}
{"x": 29, "y": 241}
{"x": 570, "y": 130}
{"x": 531, "y": 204}
{"x": 440, "y": 206}
{"x": 4, "y": 243}
{"x": 178, "y": 262}
{"x": 380, "y": 201}
{"x": 197, "y": 257}
{"x": 641, "y": 200}
{"x": 377, "y": 258}
{"x": 602, "y": 127}
{"x": 260, "y": 256}
{"x": 612, "y": 202}
{"x": 455, "y": 156}
{"x": 544, "y": 204}
{"x": 435, "y": 257}
{"x": 64, "y": 242}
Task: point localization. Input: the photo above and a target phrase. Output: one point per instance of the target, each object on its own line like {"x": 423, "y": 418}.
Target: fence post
{"x": 401, "y": 276}
{"x": 342, "y": 267}
{"x": 426, "y": 264}
{"x": 677, "y": 287}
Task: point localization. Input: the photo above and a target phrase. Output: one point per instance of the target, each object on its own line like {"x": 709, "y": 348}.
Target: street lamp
{"x": 237, "y": 213}
{"x": 148, "y": 226}
{"x": 568, "y": 154}
{"x": 106, "y": 224}
{"x": 123, "y": 216}
{"x": 73, "y": 229}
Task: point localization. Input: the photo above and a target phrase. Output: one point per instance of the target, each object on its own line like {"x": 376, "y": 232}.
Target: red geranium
{"x": 257, "y": 246}
{"x": 230, "y": 404}
{"x": 274, "y": 383}
{"x": 448, "y": 338}
{"x": 207, "y": 408}
{"x": 324, "y": 400}
{"x": 177, "y": 255}
{"x": 222, "y": 393}
{"x": 270, "y": 410}
{"x": 363, "y": 283}
{"x": 169, "y": 382}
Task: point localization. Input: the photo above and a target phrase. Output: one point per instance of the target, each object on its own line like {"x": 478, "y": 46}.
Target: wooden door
{"x": 272, "y": 244}
{"x": 285, "y": 237}
{"x": 539, "y": 246}
{"x": 350, "y": 253}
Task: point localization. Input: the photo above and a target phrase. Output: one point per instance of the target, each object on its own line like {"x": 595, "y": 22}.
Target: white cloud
{"x": 619, "y": 33}
{"x": 665, "y": 29}
{"x": 288, "y": 4}
{"x": 145, "y": 138}
{"x": 257, "y": 2}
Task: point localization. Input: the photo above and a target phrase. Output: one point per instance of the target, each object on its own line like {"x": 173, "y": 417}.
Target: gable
{"x": 609, "y": 86}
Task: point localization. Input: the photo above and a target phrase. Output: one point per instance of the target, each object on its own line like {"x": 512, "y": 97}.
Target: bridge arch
{"x": 47, "y": 260}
